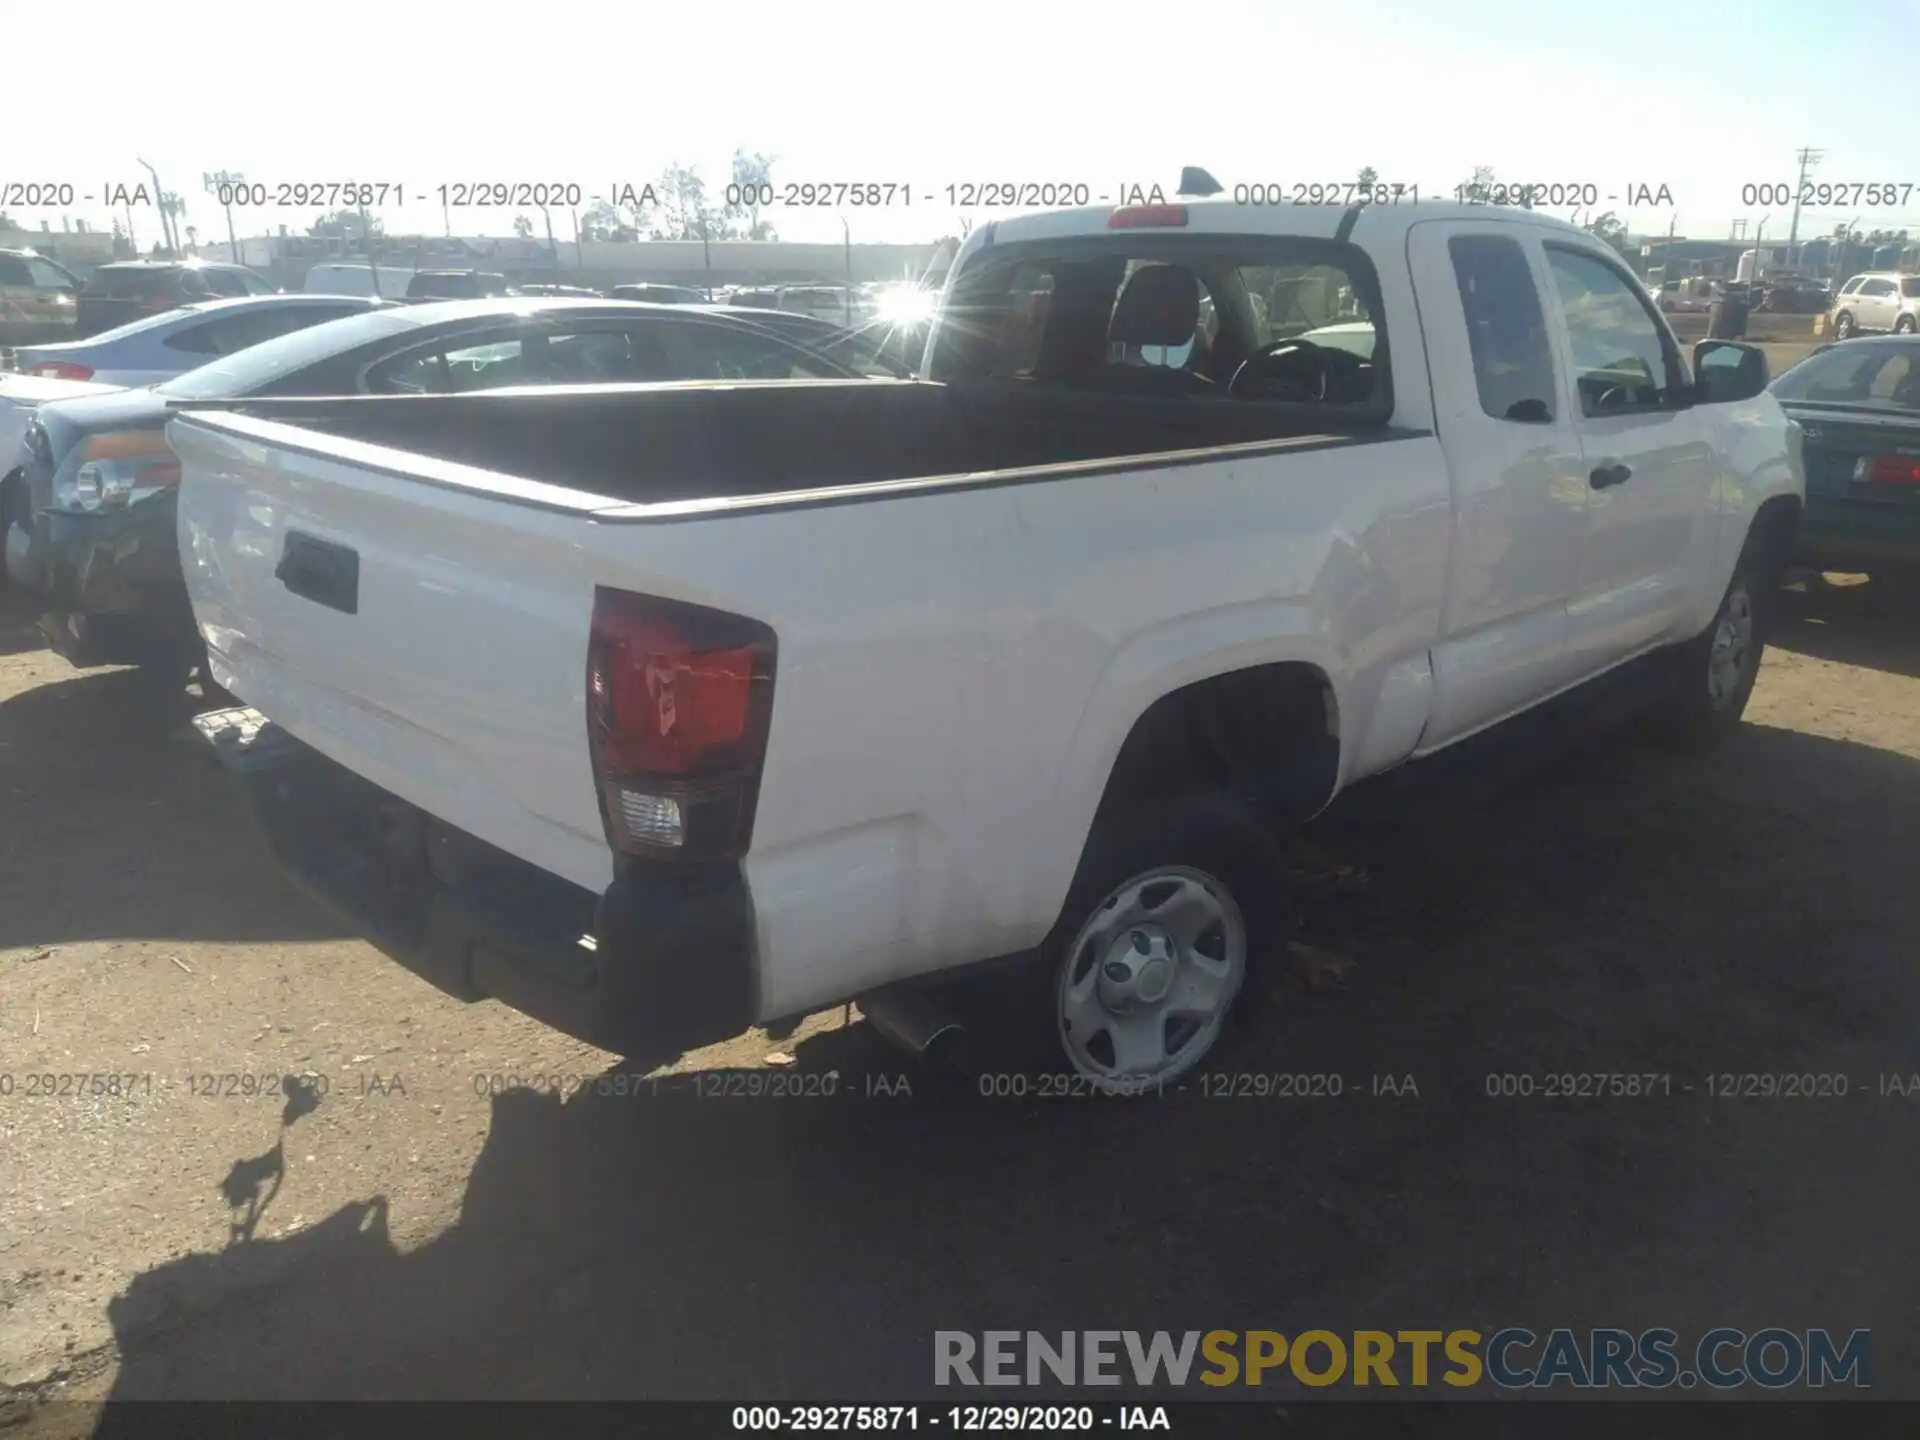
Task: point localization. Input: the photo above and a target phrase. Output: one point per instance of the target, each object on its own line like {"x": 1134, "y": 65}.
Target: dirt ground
{"x": 395, "y": 1230}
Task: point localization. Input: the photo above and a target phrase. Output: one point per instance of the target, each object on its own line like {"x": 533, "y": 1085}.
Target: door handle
{"x": 1607, "y": 476}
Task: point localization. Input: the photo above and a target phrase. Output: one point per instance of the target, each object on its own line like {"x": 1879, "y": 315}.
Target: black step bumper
{"x": 661, "y": 963}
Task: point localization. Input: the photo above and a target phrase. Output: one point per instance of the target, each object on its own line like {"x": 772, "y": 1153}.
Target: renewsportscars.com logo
{"x": 1513, "y": 1358}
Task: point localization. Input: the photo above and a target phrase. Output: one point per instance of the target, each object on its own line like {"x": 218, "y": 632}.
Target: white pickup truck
{"x": 659, "y": 712}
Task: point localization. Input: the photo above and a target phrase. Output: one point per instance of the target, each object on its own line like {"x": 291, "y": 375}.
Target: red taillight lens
{"x": 679, "y": 701}
{"x": 1888, "y": 470}
{"x": 62, "y": 370}
{"x": 1146, "y": 217}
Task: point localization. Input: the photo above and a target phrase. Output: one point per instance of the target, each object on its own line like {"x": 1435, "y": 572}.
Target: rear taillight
{"x": 1887, "y": 470}
{"x": 1147, "y": 217}
{"x": 679, "y": 702}
{"x": 61, "y": 370}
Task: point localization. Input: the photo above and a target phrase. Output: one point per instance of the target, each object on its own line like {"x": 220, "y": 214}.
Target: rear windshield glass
{"x": 258, "y": 365}
{"x": 1253, "y": 319}
{"x": 1879, "y": 375}
{"x": 1910, "y": 286}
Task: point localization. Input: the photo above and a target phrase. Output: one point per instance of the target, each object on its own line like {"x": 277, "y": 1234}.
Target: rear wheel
{"x": 1904, "y": 325}
{"x": 1148, "y": 965}
{"x": 1713, "y": 673}
{"x": 1843, "y": 325}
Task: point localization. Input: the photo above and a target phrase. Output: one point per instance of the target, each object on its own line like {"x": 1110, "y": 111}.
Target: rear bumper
{"x": 1837, "y": 533}
{"x": 661, "y": 963}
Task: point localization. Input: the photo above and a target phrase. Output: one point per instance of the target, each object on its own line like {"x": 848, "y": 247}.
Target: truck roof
{"x": 1382, "y": 224}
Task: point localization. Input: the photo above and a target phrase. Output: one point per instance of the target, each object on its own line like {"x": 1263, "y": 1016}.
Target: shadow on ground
{"x": 118, "y": 824}
{"x": 18, "y": 631}
{"x": 1624, "y": 912}
{"x": 1869, "y": 623}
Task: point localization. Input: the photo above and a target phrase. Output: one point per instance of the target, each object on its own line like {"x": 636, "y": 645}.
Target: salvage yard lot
{"x": 1615, "y": 910}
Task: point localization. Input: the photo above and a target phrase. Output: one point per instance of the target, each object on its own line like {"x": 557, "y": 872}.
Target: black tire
{"x": 1707, "y": 698}
{"x": 1015, "y": 1017}
{"x": 1843, "y": 326}
{"x": 13, "y": 506}
{"x": 1904, "y": 325}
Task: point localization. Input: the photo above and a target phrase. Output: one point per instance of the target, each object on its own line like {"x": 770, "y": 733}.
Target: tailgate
{"x": 423, "y": 624}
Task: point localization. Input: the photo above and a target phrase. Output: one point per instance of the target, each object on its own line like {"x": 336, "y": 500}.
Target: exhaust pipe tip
{"x": 921, "y": 1023}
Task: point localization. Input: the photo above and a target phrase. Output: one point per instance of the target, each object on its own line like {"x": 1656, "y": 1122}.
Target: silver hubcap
{"x": 1149, "y": 978}
{"x": 1732, "y": 646}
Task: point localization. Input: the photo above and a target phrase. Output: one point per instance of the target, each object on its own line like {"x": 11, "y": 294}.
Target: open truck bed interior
{"x": 652, "y": 444}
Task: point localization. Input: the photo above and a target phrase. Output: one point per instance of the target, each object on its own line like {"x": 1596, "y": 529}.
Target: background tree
{"x": 1609, "y": 228}
{"x": 355, "y": 225}
{"x": 752, "y": 172}
{"x": 523, "y": 227}
{"x": 681, "y": 209}
{"x": 1368, "y": 177}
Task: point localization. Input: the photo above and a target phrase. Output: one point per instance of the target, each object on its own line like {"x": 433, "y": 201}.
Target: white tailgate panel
{"x": 459, "y": 684}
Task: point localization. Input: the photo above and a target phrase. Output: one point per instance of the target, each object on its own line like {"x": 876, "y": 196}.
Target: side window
{"x": 722, "y": 352}
{"x": 474, "y": 363}
{"x": 1506, "y": 328}
{"x": 601, "y": 354}
{"x": 13, "y": 271}
{"x": 1852, "y": 287}
{"x": 49, "y": 276}
{"x": 1879, "y": 289}
{"x": 223, "y": 283}
{"x": 1619, "y": 352}
{"x": 254, "y": 284}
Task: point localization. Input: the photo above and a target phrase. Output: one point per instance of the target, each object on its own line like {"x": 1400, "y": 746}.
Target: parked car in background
{"x": 96, "y": 539}
{"x": 840, "y": 304}
{"x": 20, "y": 396}
{"x": 149, "y": 351}
{"x": 1689, "y": 294}
{"x": 1858, "y": 407}
{"x": 1877, "y": 300}
{"x": 1793, "y": 295}
{"x": 548, "y": 292}
{"x": 126, "y": 290}
{"x": 652, "y": 294}
{"x": 38, "y": 299}
{"x": 389, "y": 282}
{"x": 866, "y": 349}
{"x": 1040, "y": 661}
{"x": 457, "y": 285}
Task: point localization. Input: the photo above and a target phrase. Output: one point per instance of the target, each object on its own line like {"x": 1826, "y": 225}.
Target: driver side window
{"x": 1621, "y": 359}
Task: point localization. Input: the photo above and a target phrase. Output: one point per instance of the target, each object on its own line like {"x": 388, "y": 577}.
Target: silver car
{"x": 1877, "y": 300}
{"x": 147, "y": 352}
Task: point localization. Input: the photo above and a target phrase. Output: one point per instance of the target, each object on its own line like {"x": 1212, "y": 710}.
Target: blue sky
{"x": 1700, "y": 98}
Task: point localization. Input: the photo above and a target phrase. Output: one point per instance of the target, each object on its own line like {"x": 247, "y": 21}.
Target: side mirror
{"x": 1725, "y": 370}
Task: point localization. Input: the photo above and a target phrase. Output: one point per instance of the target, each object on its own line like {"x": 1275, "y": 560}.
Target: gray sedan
{"x": 147, "y": 352}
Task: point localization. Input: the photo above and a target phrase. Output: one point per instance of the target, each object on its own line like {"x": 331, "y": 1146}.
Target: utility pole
{"x": 221, "y": 184}
{"x": 160, "y": 202}
{"x": 1808, "y": 159}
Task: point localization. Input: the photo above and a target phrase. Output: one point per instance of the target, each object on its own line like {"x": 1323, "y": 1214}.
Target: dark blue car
{"x": 1857, "y": 403}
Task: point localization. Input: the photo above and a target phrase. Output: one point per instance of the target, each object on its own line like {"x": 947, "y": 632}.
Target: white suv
{"x": 1877, "y": 300}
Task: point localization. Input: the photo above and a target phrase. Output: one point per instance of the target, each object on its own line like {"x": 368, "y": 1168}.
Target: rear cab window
{"x": 1506, "y": 328}
{"x": 1242, "y": 319}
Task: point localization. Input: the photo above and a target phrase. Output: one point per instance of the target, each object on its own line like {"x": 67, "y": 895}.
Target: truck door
{"x": 1649, "y": 467}
{"x": 1514, "y": 460}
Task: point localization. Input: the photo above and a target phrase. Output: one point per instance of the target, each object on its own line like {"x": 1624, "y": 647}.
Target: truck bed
{"x": 660, "y": 444}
